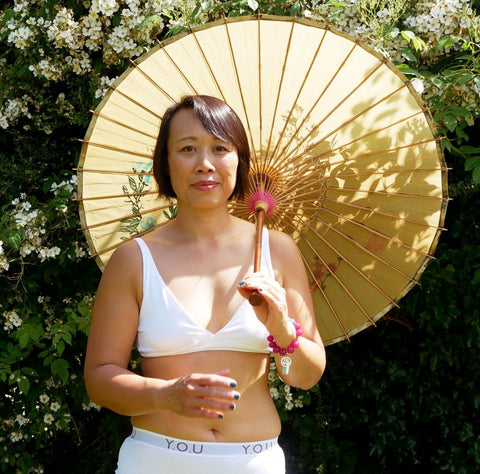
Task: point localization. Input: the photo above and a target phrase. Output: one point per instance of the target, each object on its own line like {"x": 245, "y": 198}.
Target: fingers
{"x": 208, "y": 395}
{"x": 272, "y": 292}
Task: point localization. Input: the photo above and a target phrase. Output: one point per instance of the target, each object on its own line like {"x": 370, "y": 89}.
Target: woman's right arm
{"x": 112, "y": 335}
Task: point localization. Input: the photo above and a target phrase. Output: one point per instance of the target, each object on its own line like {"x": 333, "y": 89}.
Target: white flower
{"x": 21, "y": 420}
{"x": 105, "y": 83}
{"x": 4, "y": 264}
{"x": 12, "y": 320}
{"x": 55, "y": 406}
{"x": 44, "y": 398}
{"x": 274, "y": 393}
{"x": 418, "y": 85}
{"x": 45, "y": 253}
{"x": 79, "y": 251}
{"x": 272, "y": 376}
{"x": 48, "y": 419}
{"x": 298, "y": 402}
{"x": 289, "y": 406}
{"x": 16, "y": 436}
{"x": 90, "y": 406}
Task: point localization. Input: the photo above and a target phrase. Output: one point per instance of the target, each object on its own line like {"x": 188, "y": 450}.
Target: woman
{"x": 181, "y": 293}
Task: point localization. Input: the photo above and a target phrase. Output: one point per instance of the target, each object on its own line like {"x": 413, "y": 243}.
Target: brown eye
{"x": 188, "y": 148}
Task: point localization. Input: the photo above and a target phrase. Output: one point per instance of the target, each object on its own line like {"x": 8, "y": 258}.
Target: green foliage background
{"x": 400, "y": 397}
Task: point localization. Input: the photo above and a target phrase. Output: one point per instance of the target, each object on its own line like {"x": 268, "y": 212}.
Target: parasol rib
{"x": 382, "y": 213}
{"x": 117, "y": 149}
{"x": 259, "y": 67}
{"x": 307, "y": 116}
{"x": 315, "y": 103}
{"x": 122, "y": 124}
{"x": 361, "y": 137}
{"x": 152, "y": 81}
{"x": 307, "y": 162}
{"x": 385, "y": 193}
{"x": 138, "y": 104}
{"x": 239, "y": 84}
{"x": 358, "y": 270}
{"x": 207, "y": 63}
{"x": 129, "y": 216}
{"x": 282, "y": 76}
{"x": 373, "y": 231}
{"x": 90, "y": 170}
{"x": 386, "y": 151}
{"x": 114, "y": 196}
{"x": 325, "y": 297}
{"x": 384, "y": 172}
{"x": 177, "y": 68}
{"x": 345, "y": 123}
{"x": 335, "y": 277}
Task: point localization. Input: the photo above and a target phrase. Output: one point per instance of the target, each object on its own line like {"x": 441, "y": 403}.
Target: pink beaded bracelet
{"x": 286, "y": 361}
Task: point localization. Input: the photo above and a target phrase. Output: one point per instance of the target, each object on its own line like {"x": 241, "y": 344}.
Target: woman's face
{"x": 202, "y": 168}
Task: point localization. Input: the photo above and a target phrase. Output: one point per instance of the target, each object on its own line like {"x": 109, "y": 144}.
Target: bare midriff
{"x": 255, "y": 417}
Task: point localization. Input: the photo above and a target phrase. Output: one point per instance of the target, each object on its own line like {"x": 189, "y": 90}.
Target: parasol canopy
{"x": 339, "y": 139}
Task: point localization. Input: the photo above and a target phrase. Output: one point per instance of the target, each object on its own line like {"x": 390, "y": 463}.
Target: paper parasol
{"x": 338, "y": 136}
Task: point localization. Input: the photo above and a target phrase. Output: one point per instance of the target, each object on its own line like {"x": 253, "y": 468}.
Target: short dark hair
{"x": 218, "y": 119}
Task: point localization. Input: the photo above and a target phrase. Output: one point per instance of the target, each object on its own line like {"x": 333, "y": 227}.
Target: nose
{"x": 204, "y": 162}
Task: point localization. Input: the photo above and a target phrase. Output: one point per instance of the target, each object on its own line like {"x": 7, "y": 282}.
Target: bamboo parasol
{"x": 344, "y": 154}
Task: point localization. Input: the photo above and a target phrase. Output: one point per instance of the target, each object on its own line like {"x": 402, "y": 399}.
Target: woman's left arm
{"x": 285, "y": 299}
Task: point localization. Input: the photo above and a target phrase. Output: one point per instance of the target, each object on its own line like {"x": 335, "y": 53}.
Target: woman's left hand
{"x": 273, "y": 312}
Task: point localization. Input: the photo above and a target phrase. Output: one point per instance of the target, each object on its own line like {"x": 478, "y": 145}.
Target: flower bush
{"x": 57, "y": 60}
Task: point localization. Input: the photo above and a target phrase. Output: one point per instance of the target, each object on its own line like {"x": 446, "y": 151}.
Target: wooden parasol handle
{"x": 261, "y": 207}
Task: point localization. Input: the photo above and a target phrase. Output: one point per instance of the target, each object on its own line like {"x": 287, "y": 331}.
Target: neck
{"x": 205, "y": 224}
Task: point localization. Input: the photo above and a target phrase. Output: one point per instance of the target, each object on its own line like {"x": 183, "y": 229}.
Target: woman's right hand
{"x": 202, "y": 395}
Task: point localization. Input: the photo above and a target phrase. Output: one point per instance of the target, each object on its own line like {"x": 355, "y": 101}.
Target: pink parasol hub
{"x": 261, "y": 199}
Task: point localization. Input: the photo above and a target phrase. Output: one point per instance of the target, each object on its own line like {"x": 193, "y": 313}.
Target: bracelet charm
{"x": 286, "y": 361}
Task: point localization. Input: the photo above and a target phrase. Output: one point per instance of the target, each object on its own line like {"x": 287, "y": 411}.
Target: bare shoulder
{"x": 282, "y": 246}
{"x": 125, "y": 263}
{"x": 120, "y": 288}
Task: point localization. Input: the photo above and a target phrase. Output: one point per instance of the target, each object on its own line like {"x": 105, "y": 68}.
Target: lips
{"x": 205, "y": 185}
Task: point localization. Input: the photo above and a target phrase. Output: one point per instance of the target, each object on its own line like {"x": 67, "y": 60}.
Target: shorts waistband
{"x": 248, "y": 448}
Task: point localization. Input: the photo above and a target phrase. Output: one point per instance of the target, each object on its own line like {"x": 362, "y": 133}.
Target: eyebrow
{"x": 195, "y": 138}
{"x": 181, "y": 139}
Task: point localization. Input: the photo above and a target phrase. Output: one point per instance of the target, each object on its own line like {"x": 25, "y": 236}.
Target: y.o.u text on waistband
{"x": 202, "y": 448}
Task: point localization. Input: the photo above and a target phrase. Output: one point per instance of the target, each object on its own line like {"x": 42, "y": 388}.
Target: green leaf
{"x": 417, "y": 42}
{"x": 132, "y": 183}
{"x": 8, "y": 14}
{"x": 60, "y": 368}
{"x": 24, "y": 385}
{"x": 476, "y": 175}
{"x": 469, "y": 150}
{"x": 450, "y": 122}
{"x": 60, "y": 347}
{"x": 443, "y": 43}
{"x": 472, "y": 162}
{"x": 461, "y": 111}
{"x": 15, "y": 240}
{"x": 465, "y": 78}
{"x": 409, "y": 55}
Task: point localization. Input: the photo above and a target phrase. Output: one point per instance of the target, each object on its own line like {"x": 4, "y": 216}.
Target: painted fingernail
{"x": 260, "y": 289}
{"x": 220, "y": 416}
{"x": 242, "y": 283}
{"x": 232, "y": 407}
{"x": 236, "y": 396}
{"x": 233, "y": 384}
